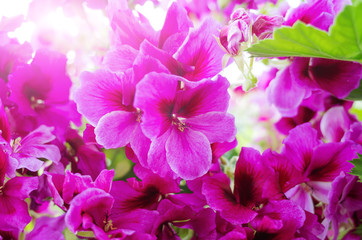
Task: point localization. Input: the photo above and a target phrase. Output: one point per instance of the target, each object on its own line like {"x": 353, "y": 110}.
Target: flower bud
{"x": 236, "y": 32}
{"x": 263, "y": 26}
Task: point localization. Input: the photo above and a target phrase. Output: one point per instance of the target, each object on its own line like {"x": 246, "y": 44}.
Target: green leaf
{"x": 344, "y": 42}
{"x": 356, "y": 94}
{"x": 357, "y": 170}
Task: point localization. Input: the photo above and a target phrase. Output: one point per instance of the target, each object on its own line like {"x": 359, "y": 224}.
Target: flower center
{"x": 179, "y": 122}
{"x": 36, "y": 103}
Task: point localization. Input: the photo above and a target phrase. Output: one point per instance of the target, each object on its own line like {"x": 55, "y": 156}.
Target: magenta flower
{"x": 239, "y": 206}
{"x": 89, "y": 210}
{"x": 345, "y": 198}
{"x": 86, "y": 159}
{"x": 133, "y": 195}
{"x": 41, "y": 90}
{"x": 320, "y": 163}
{"x": 106, "y": 101}
{"x": 13, "y": 207}
{"x": 308, "y": 76}
{"x": 278, "y": 220}
{"x": 336, "y": 77}
{"x": 182, "y": 123}
{"x": 47, "y": 226}
{"x": 34, "y": 146}
{"x": 317, "y": 13}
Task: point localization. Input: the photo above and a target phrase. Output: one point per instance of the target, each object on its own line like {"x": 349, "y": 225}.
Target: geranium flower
{"x": 41, "y": 90}
{"x": 182, "y": 123}
{"x": 239, "y": 206}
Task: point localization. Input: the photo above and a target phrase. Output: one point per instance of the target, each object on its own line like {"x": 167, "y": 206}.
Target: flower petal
{"x": 100, "y": 93}
{"x": 155, "y": 95}
{"x": 188, "y": 153}
{"x": 115, "y": 129}
{"x": 216, "y": 126}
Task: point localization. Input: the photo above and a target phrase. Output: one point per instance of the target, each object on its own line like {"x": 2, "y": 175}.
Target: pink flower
{"x": 182, "y": 123}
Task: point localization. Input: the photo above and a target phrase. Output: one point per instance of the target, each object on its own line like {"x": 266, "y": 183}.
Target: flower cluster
{"x": 163, "y": 98}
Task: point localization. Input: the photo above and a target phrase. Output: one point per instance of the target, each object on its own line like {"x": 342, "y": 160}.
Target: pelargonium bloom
{"x": 308, "y": 76}
{"x": 12, "y": 201}
{"x": 182, "y": 123}
{"x": 345, "y": 198}
{"x": 133, "y": 195}
{"x": 89, "y": 210}
{"x": 106, "y": 100}
{"x": 41, "y": 90}
{"x": 278, "y": 220}
{"x": 239, "y": 206}
{"x": 320, "y": 163}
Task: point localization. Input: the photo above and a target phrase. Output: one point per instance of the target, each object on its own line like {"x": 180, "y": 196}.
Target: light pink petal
{"x": 115, "y": 129}
{"x": 320, "y": 190}
{"x": 140, "y": 145}
{"x": 216, "y": 126}
{"x": 146, "y": 63}
{"x": 104, "y": 180}
{"x": 47, "y": 226}
{"x": 155, "y": 96}
{"x": 131, "y": 30}
{"x": 157, "y": 156}
{"x": 100, "y": 93}
{"x": 188, "y": 153}
{"x": 299, "y": 195}
{"x": 285, "y": 93}
{"x": 120, "y": 58}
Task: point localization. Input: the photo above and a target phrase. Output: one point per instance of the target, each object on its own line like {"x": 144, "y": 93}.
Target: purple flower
{"x": 133, "y": 195}
{"x": 106, "y": 100}
{"x": 308, "y": 76}
{"x": 41, "y": 90}
{"x": 320, "y": 163}
{"x": 34, "y": 146}
{"x": 317, "y": 13}
{"x": 89, "y": 210}
{"x": 182, "y": 123}
{"x": 13, "y": 207}
{"x": 238, "y": 207}
{"x": 278, "y": 220}
{"x": 345, "y": 198}
{"x": 47, "y": 226}
{"x": 336, "y": 77}
{"x": 90, "y": 160}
